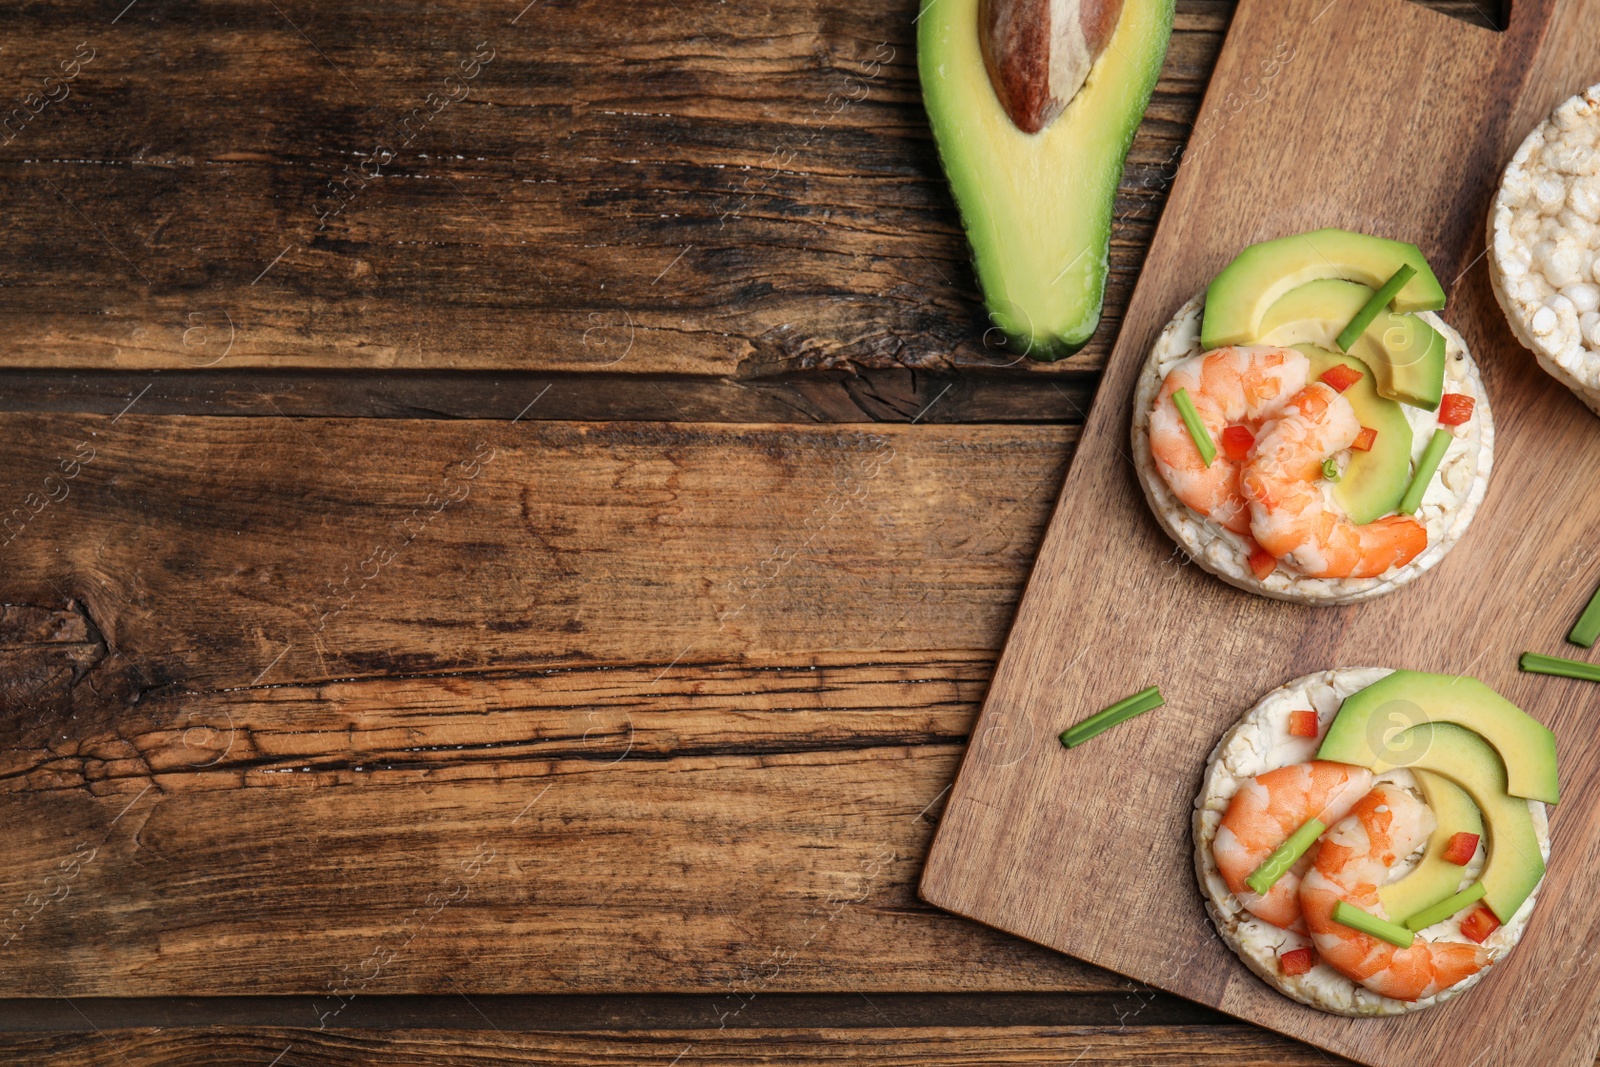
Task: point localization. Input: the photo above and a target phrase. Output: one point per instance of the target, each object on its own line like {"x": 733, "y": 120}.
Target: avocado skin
{"x": 1037, "y": 208}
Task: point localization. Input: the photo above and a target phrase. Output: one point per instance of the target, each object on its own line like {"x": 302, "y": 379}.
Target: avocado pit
{"x": 1039, "y": 52}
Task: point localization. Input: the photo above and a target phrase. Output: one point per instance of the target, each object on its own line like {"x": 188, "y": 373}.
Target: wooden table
{"x": 506, "y": 575}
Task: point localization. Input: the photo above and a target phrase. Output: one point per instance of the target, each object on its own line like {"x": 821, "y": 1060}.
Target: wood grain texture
{"x": 1007, "y": 843}
{"x": 1234, "y": 1046}
{"x": 264, "y": 702}
{"x": 686, "y": 189}
{"x": 803, "y": 397}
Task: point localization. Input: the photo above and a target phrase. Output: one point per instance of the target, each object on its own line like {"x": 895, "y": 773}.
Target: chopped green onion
{"x": 1382, "y": 929}
{"x": 1369, "y": 310}
{"x": 1587, "y": 628}
{"x": 1283, "y": 857}
{"x": 1197, "y": 429}
{"x": 1426, "y": 467}
{"x": 1121, "y": 711}
{"x": 1534, "y": 663}
{"x": 1438, "y": 913}
{"x": 1330, "y": 469}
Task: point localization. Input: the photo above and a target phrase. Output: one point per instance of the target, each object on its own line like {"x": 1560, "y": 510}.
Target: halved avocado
{"x": 1434, "y": 877}
{"x": 1405, "y": 353}
{"x": 1037, "y": 207}
{"x": 1374, "y": 728}
{"x": 1514, "y": 864}
{"x": 1258, "y": 277}
{"x": 1375, "y": 480}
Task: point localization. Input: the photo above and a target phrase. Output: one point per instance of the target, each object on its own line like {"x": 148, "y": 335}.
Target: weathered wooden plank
{"x": 817, "y": 396}
{"x": 205, "y": 548}
{"x": 594, "y": 724}
{"x": 1235, "y": 1046}
{"x": 685, "y": 190}
{"x": 617, "y": 1011}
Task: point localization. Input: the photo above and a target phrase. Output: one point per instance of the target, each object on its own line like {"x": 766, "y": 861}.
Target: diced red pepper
{"x": 1455, "y": 409}
{"x": 1461, "y": 849}
{"x": 1364, "y": 439}
{"x": 1297, "y": 961}
{"x": 1480, "y": 924}
{"x": 1237, "y": 442}
{"x": 1303, "y": 724}
{"x": 1341, "y": 376}
{"x": 1262, "y": 563}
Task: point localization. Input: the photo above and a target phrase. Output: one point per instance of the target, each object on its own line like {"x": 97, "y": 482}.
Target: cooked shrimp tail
{"x": 1354, "y": 859}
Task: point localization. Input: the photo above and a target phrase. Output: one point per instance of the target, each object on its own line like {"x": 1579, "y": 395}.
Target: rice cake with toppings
{"x": 1544, "y": 244}
{"x": 1259, "y": 742}
{"x": 1452, "y": 498}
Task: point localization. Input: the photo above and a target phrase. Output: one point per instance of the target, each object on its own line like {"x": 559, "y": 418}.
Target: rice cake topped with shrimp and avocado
{"x": 1311, "y": 794}
{"x": 1308, "y": 429}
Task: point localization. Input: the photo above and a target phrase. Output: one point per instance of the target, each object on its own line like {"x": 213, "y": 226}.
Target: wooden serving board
{"x": 1390, "y": 119}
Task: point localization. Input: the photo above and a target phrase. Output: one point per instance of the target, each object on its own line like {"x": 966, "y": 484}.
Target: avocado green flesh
{"x": 1514, "y": 863}
{"x": 1239, "y": 297}
{"x": 1434, "y": 878}
{"x": 1379, "y": 301}
{"x": 1379, "y": 716}
{"x": 1405, "y": 353}
{"x": 1408, "y": 356}
{"x": 1037, "y": 207}
{"x": 1375, "y": 480}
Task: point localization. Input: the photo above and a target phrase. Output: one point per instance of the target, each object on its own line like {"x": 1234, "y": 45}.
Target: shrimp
{"x": 1229, "y": 386}
{"x": 1262, "y": 815}
{"x": 1290, "y": 515}
{"x": 1352, "y": 862}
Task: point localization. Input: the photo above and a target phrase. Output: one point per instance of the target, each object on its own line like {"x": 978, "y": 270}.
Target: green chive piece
{"x": 1426, "y": 468}
{"x": 1120, "y": 712}
{"x": 1197, "y": 429}
{"x": 1382, "y": 929}
{"x": 1283, "y": 857}
{"x": 1438, "y": 913}
{"x": 1534, "y": 663}
{"x": 1369, "y": 310}
{"x": 1587, "y": 629}
{"x": 1330, "y": 469}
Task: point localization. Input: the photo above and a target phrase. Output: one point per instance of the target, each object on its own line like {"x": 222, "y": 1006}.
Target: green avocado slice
{"x": 1370, "y": 729}
{"x": 1375, "y": 480}
{"x": 1434, "y": 878}
{"x": 1514, "y": 863}
{"x": 1239, "y": 297}
{"x": 1037, "y": 207}
{"x": 1405, "y": 353}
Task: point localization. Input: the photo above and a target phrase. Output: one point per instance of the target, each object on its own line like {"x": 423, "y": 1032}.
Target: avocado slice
{"x": 1434, "y": 878}
{"x": 1258, "y": 277}
{"x": 1408, "y": 356}
{"x": 1405, "y": 353}
{"x": 1037, "y": 207}
{"x": 1375, "y": 480}
{"x": 1514, "y": 864}
{"x": 1373, "y": 726}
